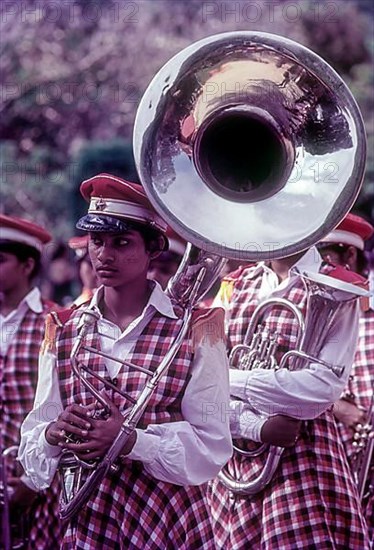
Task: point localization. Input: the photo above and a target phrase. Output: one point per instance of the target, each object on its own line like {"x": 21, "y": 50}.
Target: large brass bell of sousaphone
{"x": 250, "y": 145}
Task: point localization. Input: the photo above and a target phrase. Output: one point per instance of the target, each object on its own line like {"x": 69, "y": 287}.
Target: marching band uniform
{"x": 311, "y": 502}
{"x": 153, "y": 500}
{"x": 353, "y": 231}
{"x": 22, "y": 333}
{"x": 361, "y": 386}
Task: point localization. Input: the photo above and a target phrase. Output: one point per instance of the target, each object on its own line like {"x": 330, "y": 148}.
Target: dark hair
{"x": 151, "y": 237}
{"x": 22, "y": 252}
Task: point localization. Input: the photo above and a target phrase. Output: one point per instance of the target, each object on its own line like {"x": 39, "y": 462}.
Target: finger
{"x": 110, "y": 404}
{"x": 85, "y": 451}
{"x": 78, "y": 410}
{"x": 66, "y": 429}
{"x": 94, "y": 409}
{"x": 56, "y": 434}
{"x": 74, "y": 420}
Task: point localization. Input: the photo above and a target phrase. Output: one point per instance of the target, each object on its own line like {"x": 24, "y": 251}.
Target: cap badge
{"x": 100, "y": 204}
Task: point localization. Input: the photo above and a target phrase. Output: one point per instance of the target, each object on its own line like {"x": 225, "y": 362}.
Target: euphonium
{"x": 232, "y": 135}
{"x": 327, "y": 298}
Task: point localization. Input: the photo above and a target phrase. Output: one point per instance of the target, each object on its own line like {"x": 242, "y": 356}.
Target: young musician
{"x": 153, "y": 499}
{"x": 22, "y": 317}
{"x": 311, "y": 501}
{"x": 346, "y": 246}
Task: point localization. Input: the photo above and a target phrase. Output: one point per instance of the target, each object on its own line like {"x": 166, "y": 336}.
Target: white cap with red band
{"x": 23, "y": 231}
{"x": 352, "y": 230}
{"x": 112, "y": 196}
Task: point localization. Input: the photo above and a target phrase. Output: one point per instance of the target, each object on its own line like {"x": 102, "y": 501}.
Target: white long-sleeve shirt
{"x": 9, "y": 324}
{"x": 187, "y": 452}
{"x": 260, "y": 393}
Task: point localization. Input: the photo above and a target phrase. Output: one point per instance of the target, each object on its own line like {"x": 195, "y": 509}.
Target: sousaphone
{"x": 252, "y": 147}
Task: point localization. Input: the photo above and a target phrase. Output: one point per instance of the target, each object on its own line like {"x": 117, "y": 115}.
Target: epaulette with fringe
{"x": 228, "y": 283}
{"x": 53, "y": 321}
{"x": 207, "y": 325}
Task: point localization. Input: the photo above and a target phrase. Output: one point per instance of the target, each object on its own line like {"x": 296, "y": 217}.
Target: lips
{"x": 105, "y": 270}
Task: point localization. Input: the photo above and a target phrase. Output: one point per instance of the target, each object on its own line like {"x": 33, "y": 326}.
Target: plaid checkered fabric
{"x": 46, "y": 529}
{"x": 131, "y": 509}
{"x": 361, "y": 386}
{"x": 19, "y": 371}
{"x": 312, "y": 501}
{"x": 361, "y": 383}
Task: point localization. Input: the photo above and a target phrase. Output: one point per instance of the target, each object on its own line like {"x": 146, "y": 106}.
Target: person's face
{"x": 331, "y": 256}
{"x": 13, "y": 272}
{"x": 119, "y": 259}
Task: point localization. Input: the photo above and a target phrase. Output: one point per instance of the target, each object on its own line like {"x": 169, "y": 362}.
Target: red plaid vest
{"x": 19, "y": 373}
{"x": 131, "y": 509}
{"x": 150, "y": 349}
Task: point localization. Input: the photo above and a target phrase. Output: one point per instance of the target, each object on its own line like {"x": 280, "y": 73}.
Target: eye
{"x": 121, "y": 241}
{"x": 96, "y": 240}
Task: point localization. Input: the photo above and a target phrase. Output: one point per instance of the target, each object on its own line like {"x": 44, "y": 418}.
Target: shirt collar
{"x": 158, "y": 299}
{"x": 33, "y": 300}
{"x": 311, "y": 261}
{"x": 161, "y": 302}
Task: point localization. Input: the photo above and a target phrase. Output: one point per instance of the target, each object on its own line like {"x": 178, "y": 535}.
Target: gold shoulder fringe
{"x": 208, "y": 327}
{"x": 52, "y": 323}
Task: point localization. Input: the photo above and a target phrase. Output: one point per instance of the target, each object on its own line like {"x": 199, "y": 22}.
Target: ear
{"x": 29, "y": 265}
{"x": 154, "y": 254}
{"x": 350, "y": 257}
{"x": 157, "y": 246}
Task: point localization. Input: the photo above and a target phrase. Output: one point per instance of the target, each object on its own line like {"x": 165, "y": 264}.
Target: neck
{"x": 11, "y": 299}
{"x": 123, "y": 305}
{"x": 282, "y": 266}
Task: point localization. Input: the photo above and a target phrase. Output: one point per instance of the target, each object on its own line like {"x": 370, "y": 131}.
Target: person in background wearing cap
{"x": 346, "y": 246}
{"x": 86, "y": 273}
{"x": 163, "y": 267}
{"x": 311, "y": 500}
{"x": 22, "y": 318}
{"x": 154, "y": 499}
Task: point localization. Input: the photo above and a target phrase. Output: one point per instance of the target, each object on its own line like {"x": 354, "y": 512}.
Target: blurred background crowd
{"x": 73, "y": 72}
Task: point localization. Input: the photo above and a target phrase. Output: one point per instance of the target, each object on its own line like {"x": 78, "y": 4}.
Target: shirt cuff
{"x": 50, "y": 451}
{"x": 252, "y": 429}
{"x": 244, "y": 422}
{"x": 238, "y": 383}
{"x": 146, "y": 447}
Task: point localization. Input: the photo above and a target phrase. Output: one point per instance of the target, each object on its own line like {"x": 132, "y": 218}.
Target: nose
{"x": 105, "y": 254}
